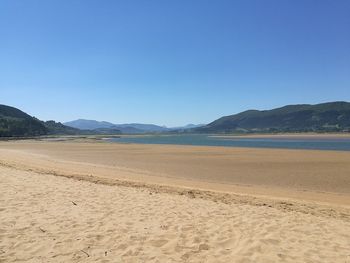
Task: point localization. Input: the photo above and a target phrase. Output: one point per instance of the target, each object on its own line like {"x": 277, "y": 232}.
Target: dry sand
{"x": 144, "y": 203}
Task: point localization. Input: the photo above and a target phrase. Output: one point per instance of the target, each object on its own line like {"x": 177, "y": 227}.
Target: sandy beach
{"x": 102, "y": 202}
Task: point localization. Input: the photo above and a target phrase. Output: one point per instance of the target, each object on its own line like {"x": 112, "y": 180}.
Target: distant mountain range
{"x": 325, "y": 117}
{"x": 16, "y": 123}
{"x": 130, "y": 128}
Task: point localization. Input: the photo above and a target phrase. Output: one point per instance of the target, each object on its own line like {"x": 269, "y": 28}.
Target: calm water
{"x": 340, "y": 144}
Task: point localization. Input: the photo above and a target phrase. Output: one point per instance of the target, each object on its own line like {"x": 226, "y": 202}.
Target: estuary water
{"x": 315, "y": 143}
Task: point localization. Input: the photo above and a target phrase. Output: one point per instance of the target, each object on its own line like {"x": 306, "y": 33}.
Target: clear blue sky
{"x": 171, "y": 62}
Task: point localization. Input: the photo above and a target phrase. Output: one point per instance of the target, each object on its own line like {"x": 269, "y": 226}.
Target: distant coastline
{"x": 285, "y": 135}
{"x": 331, "y": 117}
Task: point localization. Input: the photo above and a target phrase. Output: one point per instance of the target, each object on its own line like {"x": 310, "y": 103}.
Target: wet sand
{"x": 310, "y": 175}
{"x": 101, "y": 202}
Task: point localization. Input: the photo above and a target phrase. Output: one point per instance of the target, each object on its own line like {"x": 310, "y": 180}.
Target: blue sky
{"x": 171, "y": 62}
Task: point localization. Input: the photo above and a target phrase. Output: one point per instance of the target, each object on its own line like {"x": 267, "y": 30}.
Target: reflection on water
{"x": 319, "y": 143}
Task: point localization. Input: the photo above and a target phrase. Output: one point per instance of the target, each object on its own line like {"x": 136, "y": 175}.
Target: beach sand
{"x": 101, "y": 202}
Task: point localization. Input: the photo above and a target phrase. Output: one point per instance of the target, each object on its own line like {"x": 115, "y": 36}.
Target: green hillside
{"x": 57, "y": 128}
{"x": 325, "y": 117}
{"x": 16, "y": 123}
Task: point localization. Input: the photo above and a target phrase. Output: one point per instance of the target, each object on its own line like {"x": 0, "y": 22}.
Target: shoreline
{"x": 64, "y": 201}
{"x": 222, "y": 169}
{"x": 287, "y": 135}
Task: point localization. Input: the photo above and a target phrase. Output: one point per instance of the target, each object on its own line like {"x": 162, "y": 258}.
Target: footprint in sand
{"x": 203, "y": 247}
{"x": 159, "y": 243}
{"x": 228, "y": 243}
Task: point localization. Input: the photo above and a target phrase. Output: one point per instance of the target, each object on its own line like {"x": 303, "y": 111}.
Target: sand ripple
{"x": 45, "y": 218}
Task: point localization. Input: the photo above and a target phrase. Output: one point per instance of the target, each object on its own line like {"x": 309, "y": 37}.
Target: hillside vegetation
{"x": 16, "y": 123}
{"x": 325, "y": 117}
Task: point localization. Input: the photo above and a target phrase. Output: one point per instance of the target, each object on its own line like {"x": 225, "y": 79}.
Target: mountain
{"x": 325, "y": 117}
{"x": 88, "y": 124}
{"x": 57, "y": 128}
{"x": 127, "y": 128}
{"x": 143, "y": 127}
{"x": 124, "y": 128}
{"x": 106, "y": 131}
{"x": 14, "y": 122}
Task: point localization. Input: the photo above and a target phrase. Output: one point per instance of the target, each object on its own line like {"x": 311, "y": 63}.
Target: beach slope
{"x": 99, "y": 202}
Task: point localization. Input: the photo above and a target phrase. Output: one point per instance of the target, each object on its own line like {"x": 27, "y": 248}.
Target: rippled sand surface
{"x": 96, "y": 202}
{"x": 45, "y": 218}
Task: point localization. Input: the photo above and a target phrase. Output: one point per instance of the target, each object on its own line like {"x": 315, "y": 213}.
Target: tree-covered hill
{"x": 57, "y": 128}
{"x": 325, "y": 117}
{"x": 16, "y": 123}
